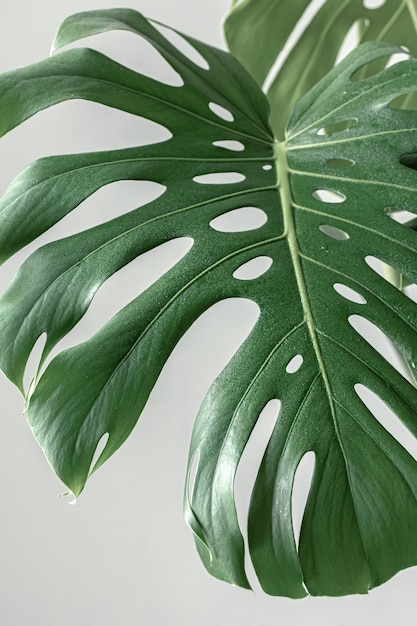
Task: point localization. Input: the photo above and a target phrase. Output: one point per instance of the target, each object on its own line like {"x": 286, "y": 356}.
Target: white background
{"x": 123, "y": 554}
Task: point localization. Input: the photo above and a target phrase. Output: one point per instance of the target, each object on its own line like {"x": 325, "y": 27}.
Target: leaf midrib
{"x": 283, "y": 171}
{"x": 288, "y": 206}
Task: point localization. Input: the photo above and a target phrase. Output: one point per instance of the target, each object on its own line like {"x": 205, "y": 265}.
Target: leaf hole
{"x": 406, "y": 101}
{"x": 340, "y": 162}
{"x": 253, "y": 269}
{"x": 401, "y": 216}
{"x": 32, "y": 364}
{"x": 95, "y": 461}
{"x": 135, "y": 53}
{"x": 328, "y": 196}
{"x": 182, "y": 45}
{"x": 375, "y": 264}
{"x": 239, "y": 220}
{"x": 230, "y": 144}
{"x": 352, "y": 38}
{"x": 221, "y": 112}
{"x": 199, "y": 353}
{"x": 79, "y": 126}
{"x": 105, "y": 204}
{"x": 387, "y": 418}
{"x": 337, "y": 127}
{"x": 125, "y": 285}
{"x": 376, "y": 338}
{"x": 388, "y": 273}
{"x": 348, "y": 293}
{"x": 267, "y": 167}
{"x": 398, "y": 58}
{"x": 301, "y": 488}
{"x": 248, "y": 467}
{"x": 373, "y": 4}
{"x": 200, "y": 356}
{"x": 409, "y": 160}
{"x": 294, "y": 364}
{"x": 219, "y": 178}
{"x": 370, "y": 69}
{"x": 333, "y": 232}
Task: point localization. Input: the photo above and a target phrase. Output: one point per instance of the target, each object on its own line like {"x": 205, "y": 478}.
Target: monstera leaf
{"x": 290, "y": 56}
{"x": 327, "y": 194}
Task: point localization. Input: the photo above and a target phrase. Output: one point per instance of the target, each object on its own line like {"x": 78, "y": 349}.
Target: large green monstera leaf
{"x": 327, "y": 195}
{"x": 289, "y": 54}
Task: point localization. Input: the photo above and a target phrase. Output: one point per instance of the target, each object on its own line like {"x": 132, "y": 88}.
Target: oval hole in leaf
{"x": 380, "y": 342}
{"x": 253, "y": 268}
{"x": 219, "y": 178}
{"x": 328, "y": 196}
{"x": 267, "y": 167}
{"x": 294, "y": 364}
{"x": 124, "y": 285}
{"x": 221, "y": 112}
{"x": 351, "y": 39}
{"x": 410, "y": 99}
{"x": 400, "y": 216}
{"x": 397, "y": 58}
{"x": 337, "y": 127}
{"x": 409, "y": 160}
{"x": 348, "y": 293}
{"x": 135, "y": 53}
{"x": 370, "y": 69}
{"x": 301, "y": 487}
{"x": 101, "y": 444}
{"x": 249, "y": 464}
{"x": 107, "y": 203}
{"x": 80, "y": 126}
{"x": 387, "y": 418}
{"x": 230, "y": 144}
{"x": 340, "y": 162}
{"x": 373, "y": 4}
{"x": 333, "y": 233}
{"x": 375, "y": 264}
{"x": 32, "y": 363}
{"x": 239, "y": 220}
{"x": 182, "y": 45}
{"x": 387, "y": 272}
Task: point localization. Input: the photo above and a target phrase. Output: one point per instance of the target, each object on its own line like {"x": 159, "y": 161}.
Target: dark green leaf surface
{"x": 257, "y": 31}
{"x": 360, "y": 519}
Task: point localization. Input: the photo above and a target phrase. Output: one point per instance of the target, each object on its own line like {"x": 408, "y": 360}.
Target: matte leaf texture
{"x": 328, "y": 193}
{"x": 265, "y": 36}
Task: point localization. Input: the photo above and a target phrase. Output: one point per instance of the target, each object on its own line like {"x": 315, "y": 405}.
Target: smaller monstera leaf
{"x": 344, "y": 138}
{"x": 290, "y": 46}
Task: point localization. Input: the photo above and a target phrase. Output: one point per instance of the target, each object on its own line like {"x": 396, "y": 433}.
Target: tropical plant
{"x": 326, "y": 169}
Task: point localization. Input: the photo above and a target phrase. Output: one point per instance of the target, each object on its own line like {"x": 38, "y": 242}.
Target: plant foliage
{"x": 258, "y": 33}
{"x": 328, "y": 192}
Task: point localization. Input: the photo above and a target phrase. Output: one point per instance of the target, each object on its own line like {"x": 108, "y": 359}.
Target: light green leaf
{"x": 343, "y": 137}
{"x": 257, "y": 33}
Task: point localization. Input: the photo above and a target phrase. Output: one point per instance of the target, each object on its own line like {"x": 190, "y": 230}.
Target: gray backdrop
{"x": 123, "y": 554}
